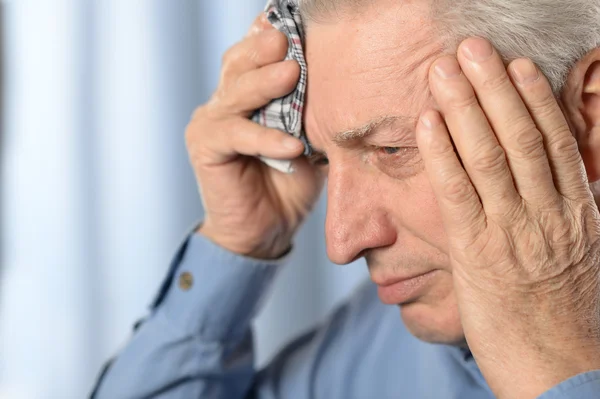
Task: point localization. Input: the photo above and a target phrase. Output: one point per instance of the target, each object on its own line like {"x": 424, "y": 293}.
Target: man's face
{"x": 367, "y": 86}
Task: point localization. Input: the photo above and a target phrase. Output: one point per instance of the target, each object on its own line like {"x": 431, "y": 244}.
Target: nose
{"x": 356, "y": 217}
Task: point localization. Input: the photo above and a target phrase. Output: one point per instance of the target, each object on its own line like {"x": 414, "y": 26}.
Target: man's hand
{"x": 250, "y": 209}
{"x": 522, "y": 224}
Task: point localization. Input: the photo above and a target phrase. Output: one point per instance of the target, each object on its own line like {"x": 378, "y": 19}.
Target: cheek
{"x": 421, "y": 213}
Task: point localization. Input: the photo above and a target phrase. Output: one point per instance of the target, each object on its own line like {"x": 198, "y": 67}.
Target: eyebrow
{"x": 345, "y": 137}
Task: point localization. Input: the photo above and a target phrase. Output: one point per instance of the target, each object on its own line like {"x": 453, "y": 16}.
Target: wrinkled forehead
{"x": 366, "y": 66}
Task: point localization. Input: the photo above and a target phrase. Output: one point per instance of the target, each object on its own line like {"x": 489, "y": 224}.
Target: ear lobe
{"x": 590, "y": 155}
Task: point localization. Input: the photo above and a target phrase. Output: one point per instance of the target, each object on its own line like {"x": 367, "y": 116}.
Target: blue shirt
{"x": 197, "y": 343}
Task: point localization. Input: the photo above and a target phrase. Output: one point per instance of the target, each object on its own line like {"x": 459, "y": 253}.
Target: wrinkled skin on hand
{"x": 522, "y": 223}
{"x": 250, "y": 209}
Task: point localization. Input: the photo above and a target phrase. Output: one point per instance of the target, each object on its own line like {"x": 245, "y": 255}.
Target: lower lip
{"x": 406, "y": 290}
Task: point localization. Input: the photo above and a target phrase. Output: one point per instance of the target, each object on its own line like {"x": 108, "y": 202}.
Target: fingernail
{"x": 524, "y": 71}
{"x": 291, "y": 143}
{"x": 477, "y": 49}
{"x": 447, "y": 68}
{"x": 264, "y": 20}
{"x": 259, "y": 25}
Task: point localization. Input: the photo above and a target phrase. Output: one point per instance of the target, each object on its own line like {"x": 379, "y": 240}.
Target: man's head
{"x": 368, "y": 63}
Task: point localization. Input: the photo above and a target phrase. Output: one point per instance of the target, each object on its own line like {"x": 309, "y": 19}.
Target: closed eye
{"x": 318, "y": 159}
{"x": 399, "y": 162}
{"x": 391, "y": 150}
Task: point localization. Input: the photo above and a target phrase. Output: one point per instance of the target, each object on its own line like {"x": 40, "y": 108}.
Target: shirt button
{"x": 186, "y": 280}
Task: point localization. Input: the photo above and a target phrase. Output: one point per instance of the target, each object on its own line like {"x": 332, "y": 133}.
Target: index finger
{"x": 256, "y": 51}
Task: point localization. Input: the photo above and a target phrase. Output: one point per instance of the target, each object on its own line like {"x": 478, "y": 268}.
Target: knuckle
{"x": 521, "y": 124}
{"x": 457, "y": 189}
{"x": 207, "y": 112}
{"x": 511, "y": 214}
{"x": 529, "y": 142}
{"x": 198, "y": 113}
{"x": 460, "y": 99}
{"x": 564, "y": 144}
{"x": 189, "y": 136}
{"x": 195, "y": 126}
{"x": 441, "y": 147}
{"x": 243, "y": 52}
{"x": 227, "y": 99}
{"x": 227, "y": 68}
{"x": 231, "y": 54}
{"x": 191, "y": 140}
{"x": 218, "y": 103}
{"x": 567, "y": 148}
{"x": 204, "y": 119}
{"x": 489, "y": 160}
{"x": 545, "y": 105}
{"x": 562, "y": 235}
{"x": 495, "y": 83}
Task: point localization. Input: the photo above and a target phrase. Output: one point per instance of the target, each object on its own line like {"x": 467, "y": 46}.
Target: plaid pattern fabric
{"x": 286, "y": 113}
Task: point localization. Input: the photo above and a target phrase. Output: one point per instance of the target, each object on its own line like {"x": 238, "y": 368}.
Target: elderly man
{"x": 461, "y": 170}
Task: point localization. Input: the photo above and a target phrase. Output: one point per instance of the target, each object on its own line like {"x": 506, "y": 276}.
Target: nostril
{"x": 361, "y": 254}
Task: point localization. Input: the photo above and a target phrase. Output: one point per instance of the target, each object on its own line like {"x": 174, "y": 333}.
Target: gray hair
{"x": 555, "y": 34}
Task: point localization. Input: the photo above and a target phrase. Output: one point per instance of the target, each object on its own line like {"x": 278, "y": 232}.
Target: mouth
{"x": 401, "y": 290}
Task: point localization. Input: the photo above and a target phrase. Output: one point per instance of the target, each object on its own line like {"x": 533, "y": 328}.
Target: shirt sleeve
{"x": 197, "y": 341}
{"x": 582, "y": 386}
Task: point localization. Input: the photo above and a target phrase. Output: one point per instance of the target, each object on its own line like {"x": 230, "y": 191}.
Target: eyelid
{"x": 394, "y": 138}
{"x": 316, "y": 157}
{"x": 396, "y": 145}
{"x": 396, "y": 150}
{"x": 384, "y": 147}
{"x": 400, "y": 153}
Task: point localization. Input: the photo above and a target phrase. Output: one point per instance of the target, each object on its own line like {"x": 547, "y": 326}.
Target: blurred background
{"x": 96, "y": 191}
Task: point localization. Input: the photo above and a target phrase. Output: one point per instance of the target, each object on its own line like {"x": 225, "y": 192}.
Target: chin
{"x": 434, "y": 319}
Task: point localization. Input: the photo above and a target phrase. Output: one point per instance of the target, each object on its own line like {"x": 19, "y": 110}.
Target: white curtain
{"x": 96, "y": 189}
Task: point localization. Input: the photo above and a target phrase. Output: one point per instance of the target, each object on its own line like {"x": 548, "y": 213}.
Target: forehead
{"x": 366, "y": 66}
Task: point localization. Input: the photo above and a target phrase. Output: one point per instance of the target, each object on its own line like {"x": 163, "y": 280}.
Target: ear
{"x": 580, "y": 100}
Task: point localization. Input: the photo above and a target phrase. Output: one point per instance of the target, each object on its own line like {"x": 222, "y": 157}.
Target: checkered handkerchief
{"x": 286, "y": 113}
